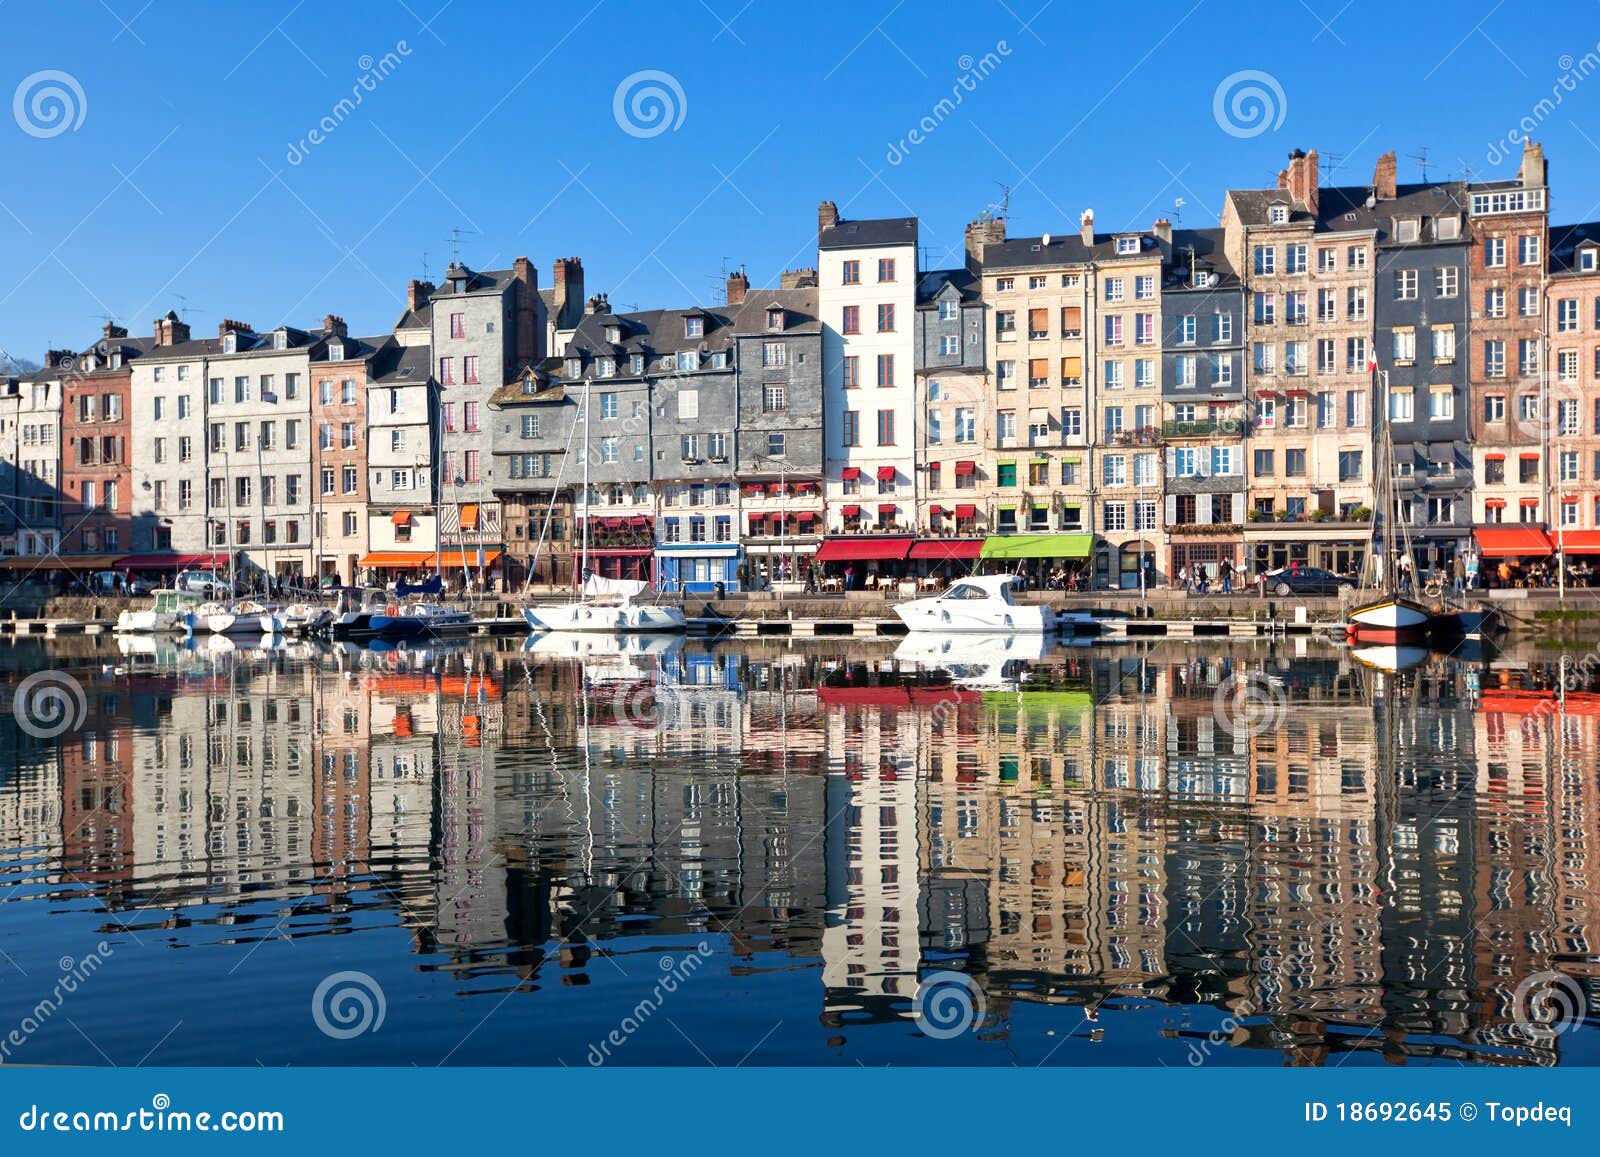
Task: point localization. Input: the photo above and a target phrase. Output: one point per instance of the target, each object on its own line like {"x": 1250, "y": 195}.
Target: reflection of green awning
{"x": 1007, "y": 546}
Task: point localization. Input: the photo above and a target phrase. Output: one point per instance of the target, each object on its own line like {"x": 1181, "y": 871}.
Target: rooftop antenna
{"x": 425, "y": 265}
{"x": 184, "y": 308}
{"x": 1421, "y": 157}
{"x": 1177, "y": 210}
{"x": 719, "y": 292}
{"x": 1335, "y": 160}
{"x": 1005, "y": 200}
{"x": 455, "y": 242}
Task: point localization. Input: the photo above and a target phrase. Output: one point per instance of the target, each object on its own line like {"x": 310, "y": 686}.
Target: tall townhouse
{"x": 627, "y": 374}
{"x": 258, "y": 442}
{"x": 1420, "y": 313}
{"x": 1309, "y": 286}
{"x": 953, "y": 389}
{"x": 1127, "y": 478}
{"x": 402, "y": 454}
{"x": 96, "y": 478}
{"x": 1038, "y": 291}
{"x": 537, "y": 473}
{"x": 1507, "y": 224}
{"x": 340, "y": 453}
{"x": 167, "y": 436}
{"x": 485, "y": 327}
{"x": 1204, "y": 422}
{"x": 10, "y": 405}
{"x": 778, "y": 368}
{"x": 38, "y": 496}
{"x": 867, "y": 280}
{"x": 1574, "y": 308}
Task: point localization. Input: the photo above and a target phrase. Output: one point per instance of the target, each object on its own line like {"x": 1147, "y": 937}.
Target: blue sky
{"x": 185, "y": 168}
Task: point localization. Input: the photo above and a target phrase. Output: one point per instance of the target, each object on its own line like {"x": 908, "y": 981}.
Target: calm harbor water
{"x": 688, "y": 853}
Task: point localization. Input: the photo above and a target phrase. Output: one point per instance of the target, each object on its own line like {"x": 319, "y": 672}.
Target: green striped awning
{"x": 1014, "y": 546}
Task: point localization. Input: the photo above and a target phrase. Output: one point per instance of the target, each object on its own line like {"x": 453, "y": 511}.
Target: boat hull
{"x": 1391, "y": 614}
{"x": 628, "y": 618}
{"x": 941, "y": 616}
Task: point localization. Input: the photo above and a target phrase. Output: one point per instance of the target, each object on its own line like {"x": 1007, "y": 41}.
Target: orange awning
{"x": 1512, "y": 542}
{"x": 469, "y": 516}
{"x": 395, "y": 558}
{"x": 1579, "y": 541}
{"x": 400, "y": 517}
{"x": 465, "y": 558}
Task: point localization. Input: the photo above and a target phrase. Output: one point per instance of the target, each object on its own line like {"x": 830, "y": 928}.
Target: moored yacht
{"x": 168, "y": 613}
{"x": 979, "y": 603}
{"x": 606, "y": 606}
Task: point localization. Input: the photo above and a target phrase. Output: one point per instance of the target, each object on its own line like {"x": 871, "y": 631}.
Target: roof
{"x": 1209, "y": 256}
{"x": 931, "y": 286}
{"x": 653, "y": 331}
{"x": 1564, "y": 243}
{"x": 478, "y": 280}
{"x": 1352, "y": 208}
{"x": 799, "y": 306}
{"x": 394, "y": 364}
{"x": 876, "y": 232}
{"x": 1063, "y": 249}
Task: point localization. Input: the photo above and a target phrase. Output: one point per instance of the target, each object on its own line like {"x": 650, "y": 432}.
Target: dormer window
{"x": 280, "y": 340}
{"x": 694, "y": 327}
{"x": 1586, "y": 260}
{"x": 1127, "y": 245}
{"x": 1407, "y": 229}
{"x": 719, "y": 360}
{"x": 458, "y": 285}
{"x": 688, "y": 361}
{"x": 530, "y": 385}
{"x": 774, "y": 319}
{"x": 230, "y": 342}
{"x": 574, "y": 367}
{"x": 614, "y": 334}
{"x": 1278, "y": 214}
{"x": 336, "y": 351}
{"x": 636, "y": 364}
{"x": 116, "y": 361}
{"x": 606, "y": 367}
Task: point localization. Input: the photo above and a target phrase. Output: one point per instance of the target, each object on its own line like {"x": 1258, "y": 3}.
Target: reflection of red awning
{"x": 850, "y": 473}
{"x": 966, "y": 511}
{"x": 639, "y": 521}
{"x": 862, "y": 547}
{"x": 614, "y": 524}
{"x": 965, "y": 468}
{"x": 1512, "y": 542}
{"x": 1578, "y": 541}
{"x": 850, "y": 511}
{"x": 895, "y": 696}
{"x": 947, "y": 548}
{"x": 886, "y": 473}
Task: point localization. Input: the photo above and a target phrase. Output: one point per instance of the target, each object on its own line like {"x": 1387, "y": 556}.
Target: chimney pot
{"x": 827, "y": 215}
{"x": 1086, "y": 227}
{"x": 738, "y": 286}
{"x": 1385, "y": 177}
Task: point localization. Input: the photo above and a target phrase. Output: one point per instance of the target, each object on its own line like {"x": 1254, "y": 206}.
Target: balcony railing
{"x": 1140, "y": 436}
{"x": 1205, "y": 428}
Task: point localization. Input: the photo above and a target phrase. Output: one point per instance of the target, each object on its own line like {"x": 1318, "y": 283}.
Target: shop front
{"x": 1045, "y": 561}
{"x": 863, "y": 561}
{"x": 1514, "y": 556}
{"x": 1338, "y": 547}
{"x": 699, "y": 568}
{"x": 620, "y": 562}
{"x": 1579, "y": 552}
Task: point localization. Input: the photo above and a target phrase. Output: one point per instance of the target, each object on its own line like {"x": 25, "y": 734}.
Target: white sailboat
{"x": 604, "y": 605}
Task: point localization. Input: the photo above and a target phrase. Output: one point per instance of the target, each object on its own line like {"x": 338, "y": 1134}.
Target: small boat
{"x": 239, "y": 618}
{"x": 607, "y": 606}
{"x": 418, "y": 621}
{"x": 295, "y": 619}
{"x": 353, "y": 619}
{"x": 1390, "y": 618}
{"x": 980, "y": 603}
{"x": 167, "y": 614}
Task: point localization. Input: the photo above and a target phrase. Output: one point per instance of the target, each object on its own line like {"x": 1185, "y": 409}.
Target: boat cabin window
{"x": 967, "y": 591}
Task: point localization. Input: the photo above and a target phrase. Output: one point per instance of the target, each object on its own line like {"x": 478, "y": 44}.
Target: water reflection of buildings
{"x": 1376, "y": 869}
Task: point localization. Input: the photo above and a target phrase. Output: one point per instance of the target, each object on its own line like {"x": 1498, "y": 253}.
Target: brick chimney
{"x": 527, "y": 340}
{"x": 827, "y": 215}
{"x": 230, "y": 326}
{"x": 1163, "y": 230}
{"x": 598, "y": 304}
{"x": 982, "y": 233}
{"x": 1384, "y": 177}
{"x": 417, "y": 294}
{"x": 1086, "y": 227}
{"x": 1531, "y": 173}
{"x": 568, "y": 285}
{"x": 111, "y": 331}
{"x": 798, "y": 279}
{"x": 738, "y": 286}
{"x": 54, "y": 359}
{"x": 170, "y": 331}
{"x": 333, "y": 323}
{"x": 1303, "y": 178}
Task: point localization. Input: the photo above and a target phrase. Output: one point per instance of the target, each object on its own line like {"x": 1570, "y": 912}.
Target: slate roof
{"x": 1064, "y": 249}
{"x": 878, "y": 231}
{"x": 931, "y": 284}
{"x": 400, "y": 365}
{"x": 799, "y": 306}
{"x": 1564, "y": 242}
{"x": 1209, "y": 255}
{"x": 1344, "y": 208}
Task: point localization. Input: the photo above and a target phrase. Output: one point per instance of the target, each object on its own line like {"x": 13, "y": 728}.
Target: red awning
{"x": 1530, "y": 502}
{"x": 886, "y": 473}
{"x": 1529, "y": 456}
{"x": 1495, "y": 503}
{"x": 1579, "y": 541}
{"x": 865, "y": 547}
{"x": 1494, "y": 457}
{"x": 888, "y": 508}
{"x": 947, "y": 548}
{"x": 965, "y": 468}
{"x": 850, "y": 473}
{"x": 172, "y": 562}
{"x": 850, "y": 511}
{"x": 614, "y": 523}
{"x": 807, "y": 516}
{"x": 639, "y": 520}
{"x": 400, "y": 517}
{"x": 1512, "y": 542}
{"x": 966, "y": 511}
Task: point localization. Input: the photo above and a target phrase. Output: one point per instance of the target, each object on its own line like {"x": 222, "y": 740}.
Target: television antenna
{"x": 455, "y": 242}
{"x": 1005, "y": 201}
{"x": 184, "y": 308}
{"x": 1177, "y": 210}
{"x": 1421, "y": 157}
{"x": 1334, "y": 161}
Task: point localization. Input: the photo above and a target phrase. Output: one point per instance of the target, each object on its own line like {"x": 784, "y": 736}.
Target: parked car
{"x": 1306, "y": 580}
{"x": 105, "y": 582}
{"x": 203, "y": 582}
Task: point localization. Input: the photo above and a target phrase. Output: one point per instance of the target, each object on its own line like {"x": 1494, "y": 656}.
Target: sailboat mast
{"x": 583, "y": 558}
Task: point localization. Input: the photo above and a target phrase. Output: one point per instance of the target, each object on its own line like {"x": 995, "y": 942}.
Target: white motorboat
{"x": 980, "y": 603}
{"x": 240, "y": 618}
{"x": 167, "y": 614}
{"x": 295, "y": 619}
{"x": 354, "y": 617}
{"x": 607, "y": 606}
